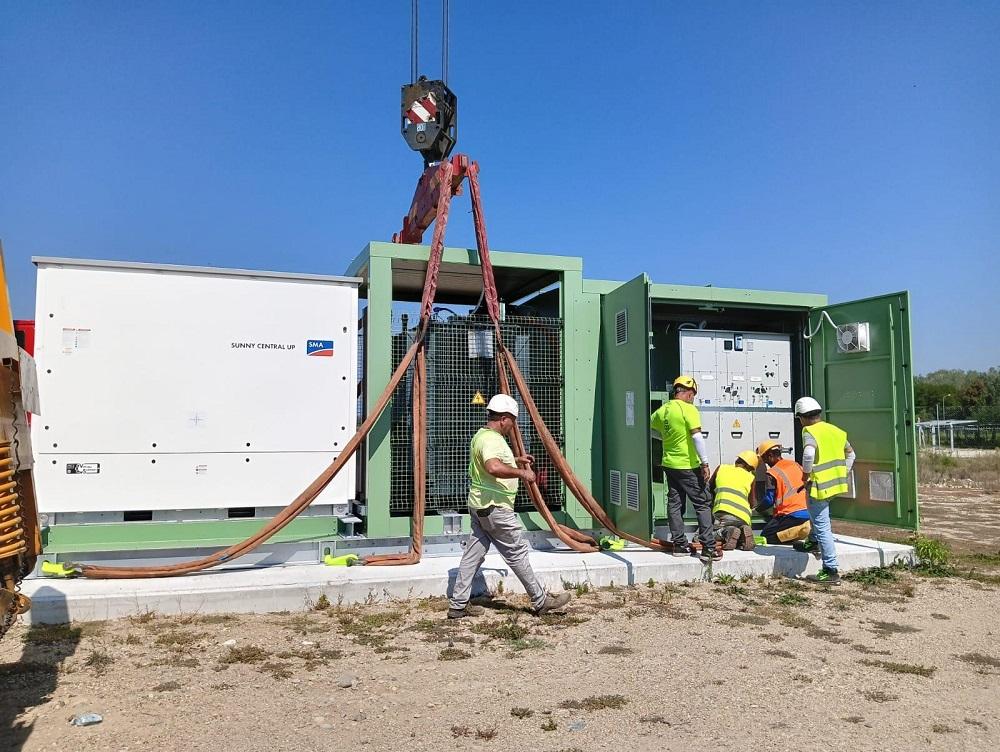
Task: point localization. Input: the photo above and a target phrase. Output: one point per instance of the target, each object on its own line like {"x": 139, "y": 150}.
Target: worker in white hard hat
{"x": 827, "y": 459}
{"x": 783, "y": 499}
{"x": 677, "y": 424}
{"x": 494, "y": 474}
{"x": 732, "y": 488}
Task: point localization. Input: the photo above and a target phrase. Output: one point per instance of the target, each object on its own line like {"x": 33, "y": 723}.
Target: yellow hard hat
{"x": 750, "y": 458}
{"x": 766, "y": 446}
{"x": 687, "y": 382}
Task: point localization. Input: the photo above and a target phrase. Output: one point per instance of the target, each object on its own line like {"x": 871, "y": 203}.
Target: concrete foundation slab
{"x": 261, "y": 590}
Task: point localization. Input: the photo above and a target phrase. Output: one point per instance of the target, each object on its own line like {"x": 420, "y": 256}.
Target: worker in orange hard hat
{"x": 784, "y": 499}
{"x": 732, "y": 488}
{"x": 677, "y": 424}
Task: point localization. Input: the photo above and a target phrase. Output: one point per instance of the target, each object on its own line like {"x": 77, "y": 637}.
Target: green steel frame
{"x": 378, "y": 265}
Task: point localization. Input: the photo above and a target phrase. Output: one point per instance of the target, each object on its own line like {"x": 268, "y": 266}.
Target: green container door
{"x": 624, "y": 361}
{"x": 867, "y": 390}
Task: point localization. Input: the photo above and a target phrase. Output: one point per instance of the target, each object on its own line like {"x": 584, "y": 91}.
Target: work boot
{"x": 825, "y": 577}
{"x": 461, "y": 613}
{"x": 730, "y": 538}
{"x": 553, "y": 602}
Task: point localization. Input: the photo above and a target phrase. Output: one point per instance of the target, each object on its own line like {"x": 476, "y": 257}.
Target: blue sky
{"x": 846, "y": 148}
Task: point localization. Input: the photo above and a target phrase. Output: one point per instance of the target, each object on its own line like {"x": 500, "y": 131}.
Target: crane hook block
{"x": 429, "y": 119}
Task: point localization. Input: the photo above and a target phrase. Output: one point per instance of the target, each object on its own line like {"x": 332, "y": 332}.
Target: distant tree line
{"x": 962, "y": 395}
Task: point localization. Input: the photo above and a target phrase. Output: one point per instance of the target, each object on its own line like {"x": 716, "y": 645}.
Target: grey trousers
{"x": 688, "y": 484}
{"x": 498, "y": 526}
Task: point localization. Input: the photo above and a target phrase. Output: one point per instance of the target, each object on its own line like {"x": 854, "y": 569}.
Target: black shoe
{"x": 681, "y": 549}
{"x": 461, "y": 613}
{"x": 553, "y": 603}
{"x": 825, "y": 577}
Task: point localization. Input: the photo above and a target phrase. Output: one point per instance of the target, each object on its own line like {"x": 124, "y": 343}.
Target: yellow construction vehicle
{"x": 20, "y": 533}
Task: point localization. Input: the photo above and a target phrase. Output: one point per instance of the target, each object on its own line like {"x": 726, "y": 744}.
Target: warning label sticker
{"x": 478, "y": 399}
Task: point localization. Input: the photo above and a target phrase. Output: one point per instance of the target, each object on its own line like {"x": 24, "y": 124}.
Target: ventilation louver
{"x": 621, "y": 327}
{"x": 616, "y": 487}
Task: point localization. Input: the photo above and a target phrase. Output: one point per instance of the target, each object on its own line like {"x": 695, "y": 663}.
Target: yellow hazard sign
{"x": 479, "y": 399}
{"x": 737, "y": 424}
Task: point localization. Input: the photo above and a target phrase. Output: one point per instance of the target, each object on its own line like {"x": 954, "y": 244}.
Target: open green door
{"x": 862, "y": 374}
{"x": 625, "y": 396}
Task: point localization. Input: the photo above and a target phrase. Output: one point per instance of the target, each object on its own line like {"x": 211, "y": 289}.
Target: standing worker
{"x": 784, "y": 498}
{"x": 732, "y": 488}
{"x": 685, "y": 467}
{"x": 494, "y": 473}
{"x": 827, "y": 459}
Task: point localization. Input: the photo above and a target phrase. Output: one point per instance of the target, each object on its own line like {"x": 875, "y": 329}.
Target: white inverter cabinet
{"x": 173, "y": 393}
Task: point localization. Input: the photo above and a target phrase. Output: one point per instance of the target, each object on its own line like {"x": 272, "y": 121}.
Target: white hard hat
{"x": 502, "y": 403}
{"x": 806, "y": 405}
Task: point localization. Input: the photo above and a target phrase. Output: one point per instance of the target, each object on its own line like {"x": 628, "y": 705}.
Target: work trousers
{"x": 783, "y": 529}
{"x": 500, "y": 527}
{"x": 822, "y": 531}
{"x": 684, "y": 485}
{"x": 733, "y": 533}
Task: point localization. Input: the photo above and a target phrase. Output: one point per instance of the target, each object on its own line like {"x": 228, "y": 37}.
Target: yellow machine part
{"x": 20, "y": 535}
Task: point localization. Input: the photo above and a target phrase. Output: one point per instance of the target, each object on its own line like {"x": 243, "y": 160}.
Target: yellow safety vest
{"x": 829, "y": 470}
{"x": 732, "y": 492}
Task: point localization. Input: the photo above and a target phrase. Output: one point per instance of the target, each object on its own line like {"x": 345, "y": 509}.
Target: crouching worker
{"x": 732, "y": 489}
{"x": 784, "y": 500}
{"x": 494, "y": 473}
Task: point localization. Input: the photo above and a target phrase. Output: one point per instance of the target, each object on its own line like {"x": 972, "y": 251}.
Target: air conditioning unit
{"x": 853, "y": 338}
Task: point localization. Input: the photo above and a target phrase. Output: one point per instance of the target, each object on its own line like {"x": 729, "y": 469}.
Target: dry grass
{"x": 244, "y": 654}
{"x": 878, "y": 695}
{"x": 615, "y": 650}
{"x": 522, "y": 712}
{"x": 596, "y": 702}
{"x": 938, "y": 467}
{"x": 453, "y": 654}
{"x": 99, "y": 661}
{"x": 979, "y": 659}
{"x": 901, "y": 668}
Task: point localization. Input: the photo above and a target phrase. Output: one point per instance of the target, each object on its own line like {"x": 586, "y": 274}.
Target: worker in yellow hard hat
{"x": 677, "y": 424}
{"x": 783, "y": 500}
{"x": 732, "y": 488}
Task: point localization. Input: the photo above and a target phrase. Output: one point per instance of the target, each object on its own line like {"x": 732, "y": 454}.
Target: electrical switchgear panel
{"x": 738, "y": 370}
{"x": 744, "y": 389}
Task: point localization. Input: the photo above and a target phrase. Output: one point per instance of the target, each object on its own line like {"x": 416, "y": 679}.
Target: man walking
{"x": 827, "y": 459}
{"x": 685, "y": 467}
{"x": 494, "y": 473}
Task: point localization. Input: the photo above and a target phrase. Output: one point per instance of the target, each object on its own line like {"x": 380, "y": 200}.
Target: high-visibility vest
{"x": 829, "y": 470}
{"x": 732, "y": 492}
{"x": 789, "y": 487}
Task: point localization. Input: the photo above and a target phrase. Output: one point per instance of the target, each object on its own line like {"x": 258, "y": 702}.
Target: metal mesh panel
{"x": 461, "y": 368}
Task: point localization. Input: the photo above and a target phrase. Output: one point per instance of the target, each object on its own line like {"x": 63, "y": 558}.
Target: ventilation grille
{"x": 621, "y": 327}
{"x": 615, "y": 487}
{"x": 853, "y": 338}
{"x": 632, "y": 491}
{"x": 881, "y": 486}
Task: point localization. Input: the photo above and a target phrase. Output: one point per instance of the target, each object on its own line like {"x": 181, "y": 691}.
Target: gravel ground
{"x": 901, "y": 663}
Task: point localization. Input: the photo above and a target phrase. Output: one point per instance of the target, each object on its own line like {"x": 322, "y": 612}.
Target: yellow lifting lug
{"x": 347, "y": 560}
{"x": 59, "y": 569}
